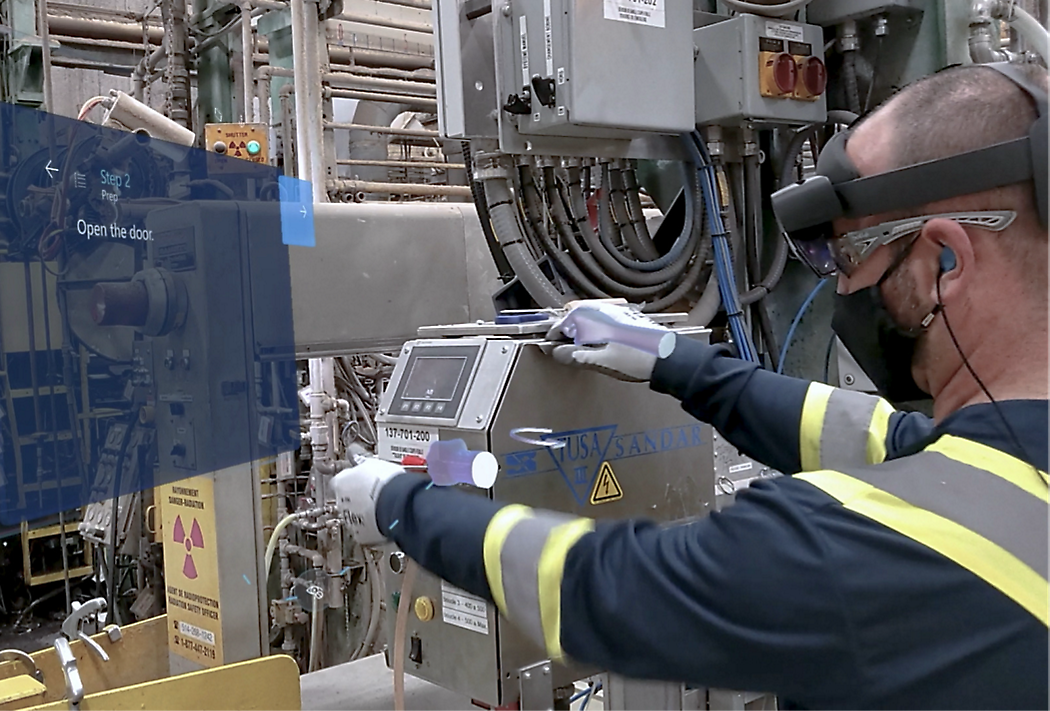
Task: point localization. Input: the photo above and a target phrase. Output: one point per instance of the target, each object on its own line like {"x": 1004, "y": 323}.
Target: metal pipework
{"x": 387, "y": 130}
{"x": 413, "y": 189}
{"x": 402, "y": 164}
{"x": 378, "y": 21}
{"x": 985, "y": 46}
{"x": 247, "y": 57}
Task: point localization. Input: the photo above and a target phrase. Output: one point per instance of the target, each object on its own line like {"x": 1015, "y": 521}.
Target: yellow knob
{"x": 424, "y": 608}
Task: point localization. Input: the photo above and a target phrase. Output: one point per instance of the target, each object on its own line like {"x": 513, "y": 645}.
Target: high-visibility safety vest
{"x": 984, "y": 510}
{"x": 842, "y": 428}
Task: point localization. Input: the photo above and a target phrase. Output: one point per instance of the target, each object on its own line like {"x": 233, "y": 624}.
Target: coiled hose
{"x": 544, "y": 216}
{"x": 504, "y": 214}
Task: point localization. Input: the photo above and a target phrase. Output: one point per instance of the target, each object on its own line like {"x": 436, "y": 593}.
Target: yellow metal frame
{"x": 140, "y": 655}
{"x": 264, "y": 683}
{"x": 30, "y": 534}
{"x": 137, "y": 677}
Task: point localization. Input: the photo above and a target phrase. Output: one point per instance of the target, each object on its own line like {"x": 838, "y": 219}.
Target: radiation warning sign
{"x": 191, "y": 570}
{"x": 606, "y": 488}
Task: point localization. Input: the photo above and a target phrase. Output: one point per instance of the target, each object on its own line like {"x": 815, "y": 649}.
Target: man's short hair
{"x": 962, "y": 109}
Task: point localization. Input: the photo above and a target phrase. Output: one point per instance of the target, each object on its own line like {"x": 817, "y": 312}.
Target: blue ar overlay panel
{"x": 145, "y": 313}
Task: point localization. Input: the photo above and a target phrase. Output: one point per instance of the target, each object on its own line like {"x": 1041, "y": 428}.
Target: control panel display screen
{"x": 434, "y": 378}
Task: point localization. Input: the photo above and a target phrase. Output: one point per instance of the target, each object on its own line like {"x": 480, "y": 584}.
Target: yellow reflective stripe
{"x": 495, "y": 536}
{"x": 551, "y": 568}
{"x": 811, "y": 425}
{"x": 878, "y": 431}
{"x": 959, "y": 544}
{"x": 999, "y": 463}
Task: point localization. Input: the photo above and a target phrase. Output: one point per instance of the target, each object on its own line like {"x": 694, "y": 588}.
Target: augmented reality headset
{"x": 806, "y": 209}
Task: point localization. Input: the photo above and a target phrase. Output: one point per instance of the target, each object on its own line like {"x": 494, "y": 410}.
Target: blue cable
{"x": 722, "y": 256}
{"x": 798, "y": 318}
{"x": 587, "y": 694}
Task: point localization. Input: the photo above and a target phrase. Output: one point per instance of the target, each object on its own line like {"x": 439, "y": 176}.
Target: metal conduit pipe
{"x": 145, "y": 69}
{"x": 103, "y": 29}
{"x": 428, "y": 165}
{"x": 247, "y": 58}
{"x": 302, "y": 79}
{"x": 985, "y": 45}
{"x": 379, "y": 21}
{"x": 413, "y": 189}
{"x": 380, "y": 58}
{"x": 385, "y": 130}
{"x": 417, "y": 4}
{"x": 492, "y": 170}
{"x": 346, "y": 80}
{"x": 264, "y": 75}
{"x": 412, "y": 102}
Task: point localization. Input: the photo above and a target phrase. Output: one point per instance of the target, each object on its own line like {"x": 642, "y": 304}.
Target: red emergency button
{"x": 785, "y": 73}
{"x": 814, "y": 76}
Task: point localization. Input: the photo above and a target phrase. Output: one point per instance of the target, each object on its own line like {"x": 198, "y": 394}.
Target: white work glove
{"x": 356, "y": 494}
{"x": 611, "y": 357}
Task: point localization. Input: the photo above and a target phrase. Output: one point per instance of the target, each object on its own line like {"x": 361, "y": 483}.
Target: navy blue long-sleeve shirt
{"x": 786, "y": 591}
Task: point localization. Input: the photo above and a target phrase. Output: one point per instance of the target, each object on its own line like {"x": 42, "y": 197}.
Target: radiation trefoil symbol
{"x": 194, "y": 540}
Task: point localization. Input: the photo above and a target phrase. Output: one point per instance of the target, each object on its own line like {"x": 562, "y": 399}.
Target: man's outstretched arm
{"x": 740, "y": 599}
{"x": 787, "y": 423}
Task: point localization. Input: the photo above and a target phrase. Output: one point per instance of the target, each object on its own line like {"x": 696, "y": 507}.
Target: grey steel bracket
{"x": 537, "y": 687}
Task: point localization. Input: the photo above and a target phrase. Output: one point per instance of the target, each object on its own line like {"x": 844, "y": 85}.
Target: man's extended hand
{"x": 356, "y": 493}
{"x": 612, "y": 358}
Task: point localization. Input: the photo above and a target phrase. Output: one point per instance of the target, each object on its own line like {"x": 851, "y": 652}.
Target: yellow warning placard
{"x": 606, "y": 488}
{"x": 191, "y": 570}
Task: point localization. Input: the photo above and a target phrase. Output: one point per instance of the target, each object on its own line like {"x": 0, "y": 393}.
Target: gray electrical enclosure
{"x": 595, "y": 69}
{"x": 728, "y": 63}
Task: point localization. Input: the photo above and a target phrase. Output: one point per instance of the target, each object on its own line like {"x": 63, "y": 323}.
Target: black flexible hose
{"x": 557, "y": 205}
{"x": 477, "y": 192}
{"x": 662, "y": 279}
{"x": 504, "y": 214}
{"x": 697, "y": 272}
{"x": 849, "y": 74}
{"x": 618, "y": 203}
{"x": 637, "y": 216}
{"x": 753, "y": 188}
{"x": 563, "y": 262}
{"x": 675, "y": 259}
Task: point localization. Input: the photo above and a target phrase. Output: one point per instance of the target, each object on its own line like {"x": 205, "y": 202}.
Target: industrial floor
{"x": 367, "y": 685}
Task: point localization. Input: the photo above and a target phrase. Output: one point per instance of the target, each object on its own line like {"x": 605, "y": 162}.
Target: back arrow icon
{"x": 51, "y": 170}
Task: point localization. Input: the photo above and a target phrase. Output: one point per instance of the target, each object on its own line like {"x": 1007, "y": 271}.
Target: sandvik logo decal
{"x": 580, "y": 460}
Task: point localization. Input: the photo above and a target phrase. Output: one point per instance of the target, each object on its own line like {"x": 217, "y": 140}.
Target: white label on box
{"x": 737, "y": 468}
{"x": 397, "y": 441}
{"x": 640, "y": 12}
{"x": 785, "y": 31}
{"x": 548, "y": 37}
{"x": 460, "y": 608}
{"x": 525, "y": 78}
{"x": 197, "y": 633}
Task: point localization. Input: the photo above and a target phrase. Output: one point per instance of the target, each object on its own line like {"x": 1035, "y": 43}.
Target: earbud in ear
{"x": 947, "y": 260}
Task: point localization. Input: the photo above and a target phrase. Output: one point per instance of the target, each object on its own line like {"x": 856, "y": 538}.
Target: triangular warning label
{"x": 606, "y": 488}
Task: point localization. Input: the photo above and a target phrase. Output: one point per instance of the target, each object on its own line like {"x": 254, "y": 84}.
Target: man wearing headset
{"x": 904, "y": 563}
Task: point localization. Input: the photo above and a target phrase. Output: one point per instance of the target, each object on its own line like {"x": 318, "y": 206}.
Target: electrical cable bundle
{"x": 541, "y": 219}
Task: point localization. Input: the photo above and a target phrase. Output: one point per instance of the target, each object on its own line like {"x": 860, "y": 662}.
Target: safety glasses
{"x": 827, "y": 256}
{"x": 807, "y": 210}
